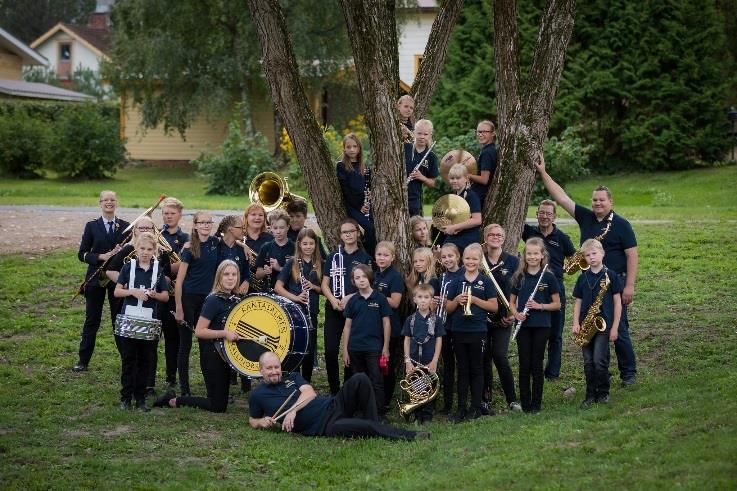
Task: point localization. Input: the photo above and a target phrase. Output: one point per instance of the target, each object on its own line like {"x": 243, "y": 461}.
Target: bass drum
{"x": 268, "y": 323}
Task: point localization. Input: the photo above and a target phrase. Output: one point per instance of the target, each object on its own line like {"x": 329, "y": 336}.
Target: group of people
{"x": 469, "y": 296}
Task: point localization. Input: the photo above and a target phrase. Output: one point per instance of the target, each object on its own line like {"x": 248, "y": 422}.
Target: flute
{"x": 518, "y": 324}
{"x": 422, "y": 162}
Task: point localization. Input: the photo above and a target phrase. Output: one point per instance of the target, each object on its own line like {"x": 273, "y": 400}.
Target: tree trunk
{"x": 372, "y": 32}
{"x": 524, "y": 117}
{"x": 287, "y": 92}
{"x": 431, "y": 68}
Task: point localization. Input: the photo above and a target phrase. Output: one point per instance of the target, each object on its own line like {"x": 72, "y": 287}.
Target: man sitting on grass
{"x": 351, "y": 412}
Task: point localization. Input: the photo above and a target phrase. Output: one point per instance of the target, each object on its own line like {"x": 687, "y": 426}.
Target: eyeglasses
{"x": 545, "y": 214}
{"x": 203, "y": 223}
{"x": 349, "y": 231}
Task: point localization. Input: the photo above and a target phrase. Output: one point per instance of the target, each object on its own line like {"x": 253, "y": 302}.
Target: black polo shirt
{"x": 422, "y": 344}
{"x": 587, "y": 289}
{"x": 620, "y": 236}
{"x": 359, "y": 256}
{"x": 544, "y": 294}
{"x": 143, "y": 280}
{"x": 216, "y": 309}
{"x": 387, "y": 282}
{"x": 505, "y": 268}
{"x": 265, "y": 399}
{"x": 201, "y": 271}
{"x": 367, "y": 326}
{"x": 352, "y": 185}
{"x": 482, "y": 288}
{"x": 258, "y": 243}
{"x": 176, "y": 239}
{"x": 295, "y": 286}
{"x": 486, "y": 161}
{"x": 281, "y": 253}
{"x": 557, "y": 243}
{"x": 237, "y": 255}
{"x": 411, "y": 158}
{"x": 292, "y": 235}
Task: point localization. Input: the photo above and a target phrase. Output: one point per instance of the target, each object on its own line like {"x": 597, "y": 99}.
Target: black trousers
{"x": 596, "y": 365}
{"x": 368, "y": 362}
{"x": 170, "y": 329}
{"x": 308, "y": 362}
{"x": 396, "y": 355}
{"x": 353, "y": 413}
{"x": 497, "y": 346}
{"x": 449, "y": 371}
{"x": 192, "y": 306}
{"x": 469, "y": 349}
{"x": 135, "y": 356}
{"x": 531, "y": 342}
{"x": 94, "y": 296}
{"x": 334, "y": 323}
{"x": 217, "y": 381}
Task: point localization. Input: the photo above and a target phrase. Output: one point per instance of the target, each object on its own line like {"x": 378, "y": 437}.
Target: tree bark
{"x": 524, "y": 116}
{"x": 428, "y": 76}
{"x": 287, "y": 92}
{"x": 372, "y": 32}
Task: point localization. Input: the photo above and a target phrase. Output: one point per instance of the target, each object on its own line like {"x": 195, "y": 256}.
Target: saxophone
{"x": 593, "y": 322}
{"x": 577, "y": 261}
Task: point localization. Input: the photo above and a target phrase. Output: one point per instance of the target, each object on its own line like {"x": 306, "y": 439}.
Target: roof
{"x": 97, "y": 40}
{"x": 18, "y": 88}
{"x": 28, "y": 55}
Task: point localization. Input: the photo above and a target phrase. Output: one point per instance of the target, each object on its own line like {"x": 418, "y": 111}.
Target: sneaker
{"x": 125, "y": 405}
{"x": 515, "y": 406}
{"x": 141, "y": 406}
{"x": 422, "y": 435}
{"x": 485, "y": 409}
{"x": 588, "y": 402}
{"x": 150, "y": 392}
{"x": 79, "y": 367}
{"x": 603, "y": 399}
{"x": 629, "y": 382}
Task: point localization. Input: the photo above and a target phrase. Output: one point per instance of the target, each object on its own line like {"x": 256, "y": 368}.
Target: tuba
{"x": 593, "y": 322}
{"x": 271, "y": 191}
{"x": 421, "y": 385}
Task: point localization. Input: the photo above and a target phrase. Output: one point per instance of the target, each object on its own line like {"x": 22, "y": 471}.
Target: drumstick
{"x": 293, "y": 408}
{"x": 276, "y": 413}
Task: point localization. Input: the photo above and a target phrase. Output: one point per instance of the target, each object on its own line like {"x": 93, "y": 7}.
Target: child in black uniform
{"x": 352, "y": 175}
{"x": 144, "y": 281}
{"x": 596, "y": 352}
{"x": 274, "y": 255}
{"x": 533, "y": 336}
{"x": 423, "y": 341}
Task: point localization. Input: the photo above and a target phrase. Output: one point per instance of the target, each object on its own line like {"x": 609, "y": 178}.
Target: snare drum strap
{"x": 154, "y": 274}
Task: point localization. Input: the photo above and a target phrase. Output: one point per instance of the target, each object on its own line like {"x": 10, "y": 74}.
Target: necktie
{"x": 110, "y": 228}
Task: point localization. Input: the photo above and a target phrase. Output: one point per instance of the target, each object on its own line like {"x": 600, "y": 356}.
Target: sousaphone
{"x": 271, "y": 191}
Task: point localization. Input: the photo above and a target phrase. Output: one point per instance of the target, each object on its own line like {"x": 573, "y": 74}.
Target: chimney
{"x": 99, "y": 20}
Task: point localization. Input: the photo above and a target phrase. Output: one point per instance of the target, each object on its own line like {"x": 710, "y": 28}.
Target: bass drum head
{"x": 268, "y": 323}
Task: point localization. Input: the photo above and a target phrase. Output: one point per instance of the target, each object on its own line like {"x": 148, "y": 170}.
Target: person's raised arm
{"x": 556, "y": 192}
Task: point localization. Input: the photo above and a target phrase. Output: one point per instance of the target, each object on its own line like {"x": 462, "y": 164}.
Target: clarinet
{"x": 367, "y": 190}
{"x": 304, "y": 283}
{"x": 518, "y": 324}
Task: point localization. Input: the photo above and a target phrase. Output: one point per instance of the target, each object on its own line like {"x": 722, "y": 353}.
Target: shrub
{"x": 85, "y": 144}
{"x": 22, "y": 140}
{"x": 241, "y": 158}
{"x": 565, "y": 158}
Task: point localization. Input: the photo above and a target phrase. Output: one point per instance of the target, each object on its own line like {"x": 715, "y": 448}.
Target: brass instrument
{"x": 421, "y": 385}
{"x": 518, "y": 324}
{"x": 256, "y": 284}
{"x": 577, "y": 261}
{"x": 501, "y": 299}
{"x": 271, "y": 191}
{"x": 440, "y": 312}
{"x": 457, "y": 157}
{"x": 467, "y": 308}
{"x": 593, "y": 322}
{"x": 337, "y": 272}
{"x": 410, "y": 135}
{"x": 166, "y": 247}
{"x": 422, "y": 162}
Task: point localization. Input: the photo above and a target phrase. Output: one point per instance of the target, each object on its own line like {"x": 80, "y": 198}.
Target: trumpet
{"x": 518, "y": 324}
{"x": 422, "y": 162}
{"x": 337, "y": 272}
{"x": 440, "y": 312}
{"x": 467, "y": 308}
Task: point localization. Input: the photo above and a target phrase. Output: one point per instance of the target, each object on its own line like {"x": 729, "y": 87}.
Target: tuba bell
{"x": 271, "y": 191}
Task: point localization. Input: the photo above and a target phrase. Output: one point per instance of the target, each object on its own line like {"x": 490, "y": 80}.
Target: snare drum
{"x": 129, "y": 326}
{"x": 268, "y": 323}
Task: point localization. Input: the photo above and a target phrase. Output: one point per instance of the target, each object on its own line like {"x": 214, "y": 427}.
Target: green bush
{"x": 242, "y": 158}
{"x": 22, "y": 140}
{"x": 84, "y": 144}
{"x": 565, "y": 159}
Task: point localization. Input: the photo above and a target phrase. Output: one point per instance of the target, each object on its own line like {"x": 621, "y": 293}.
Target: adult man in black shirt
{"x": 351, "y": 412}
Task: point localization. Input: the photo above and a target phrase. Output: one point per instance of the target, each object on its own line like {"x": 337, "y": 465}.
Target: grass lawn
{"x": 675, "y": 428}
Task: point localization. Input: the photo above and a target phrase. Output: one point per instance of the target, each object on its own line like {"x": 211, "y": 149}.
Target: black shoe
{"x": 163, "y": 401}
{"x": 141, "y": 406}
{"x": 486, "y": 409}
{"x": 125, "y": 405}
{"x": 474, "y": 414}
{"x": 150, "y": 392}
{"x": 422, "y": 435}
{"x": 458, "y": 416}
{"x": 588, "y": 402}
{"x": 603, "y": 399}
{"x": 629, "y": 382}
{"x": 79, "y": 367}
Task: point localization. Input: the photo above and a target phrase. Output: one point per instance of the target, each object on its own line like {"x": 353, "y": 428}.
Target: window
{"x": 65, "y": 52}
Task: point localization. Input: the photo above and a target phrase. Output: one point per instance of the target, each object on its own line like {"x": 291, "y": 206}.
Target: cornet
{"x": 337, "y": 275}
